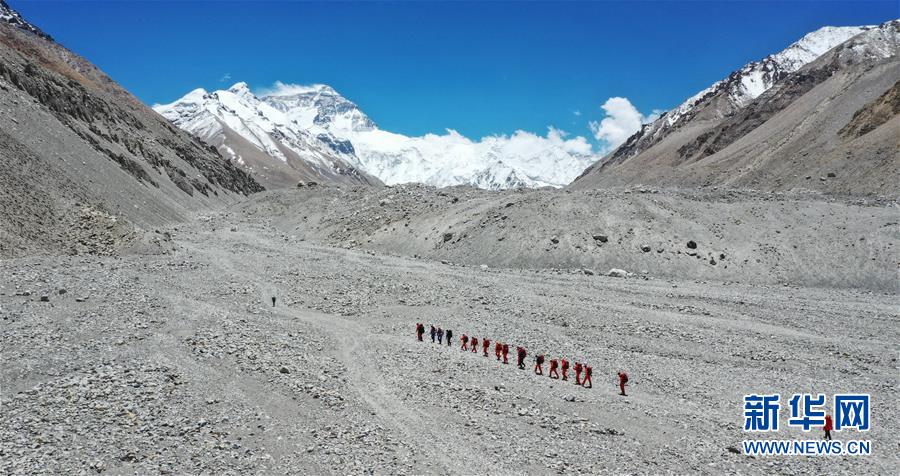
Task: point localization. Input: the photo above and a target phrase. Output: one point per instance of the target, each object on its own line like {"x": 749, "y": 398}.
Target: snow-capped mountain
{"x": 8, "y": 15}
{"x": 322, "y": 126}
{"x": 260, "y": 138}
{"x": 496, "y": 162}
{"x": 727, "y": 96}
{"x": 318, "y": 106}
{"x": 788, "y": 126}
{"x": 755, "y": 78}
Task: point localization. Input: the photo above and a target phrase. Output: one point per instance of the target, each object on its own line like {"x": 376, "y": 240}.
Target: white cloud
{"x": 554, "y": 158}
{"x": 225, "y": 77}
{"x": 621, "y": 121}
{"x": 524, "y": 143}
{"x": 288, "y": 89}
{"x": 576, "y": 112}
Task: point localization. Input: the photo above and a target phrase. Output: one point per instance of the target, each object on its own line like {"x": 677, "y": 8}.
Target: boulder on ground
{"x": 617, "y": 273}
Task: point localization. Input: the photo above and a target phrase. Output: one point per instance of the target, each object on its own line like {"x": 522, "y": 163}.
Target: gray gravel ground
{"x": 178, "y": 363}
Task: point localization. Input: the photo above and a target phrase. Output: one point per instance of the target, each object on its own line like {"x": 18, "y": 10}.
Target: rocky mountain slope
{"x": 777, "y": 130}
{"x": 272, "y": 146}
{"x": 320, "y": 112}
{"x": 85, "y": 166}
{"x": 12, "y": 17}
{"x": 723, "y": 236}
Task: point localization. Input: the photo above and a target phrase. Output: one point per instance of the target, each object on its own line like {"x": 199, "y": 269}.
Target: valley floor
{"x": 179, "y": 363}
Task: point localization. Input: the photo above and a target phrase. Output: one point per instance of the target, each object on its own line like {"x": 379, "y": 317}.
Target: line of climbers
{"x": 501, "y": 351}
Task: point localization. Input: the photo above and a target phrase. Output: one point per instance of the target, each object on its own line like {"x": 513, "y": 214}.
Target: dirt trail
{"x": 353, "y": 337}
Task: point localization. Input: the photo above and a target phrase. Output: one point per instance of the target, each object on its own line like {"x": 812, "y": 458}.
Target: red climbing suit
{"x": 553, "y": 368}
{"x": 420, "y": 329}
{"x": 498, "y": 349}
{"x": 623, "y": 379}
{"x": 474, "y": 344}
{"x": 485, "y": 344}
{"x": 465, "y": 342}
{"x": 505, "y": 353}
{"x": 565, "y": 369}
{"x": 587, "y": 376}
{"x": 538, "y": 361}
{"x": 520, "y": 354}
{"x": 577, "y": 373}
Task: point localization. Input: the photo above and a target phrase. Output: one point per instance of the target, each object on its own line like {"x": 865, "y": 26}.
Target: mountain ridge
{"x": 85, "y": 167}
{"x": 261, "y": 139}
{"x": 769, "y": 133}
{"x": 495, "y": 162}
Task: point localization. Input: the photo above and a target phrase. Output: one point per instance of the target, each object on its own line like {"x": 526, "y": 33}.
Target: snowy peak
{"x": 874, "y": 44}
{"x": 755, "y": 78}
{"x": 240, "y": 89}
{"x": 500, "y": 176}
{"x": 12, "y": 17}
{"x": 815, "y": 44}
{"x": 257, "y": 136}
{"x": 326, "y": 121}
{"x": 728, "y": 96}
{"x": 319, "y": 107}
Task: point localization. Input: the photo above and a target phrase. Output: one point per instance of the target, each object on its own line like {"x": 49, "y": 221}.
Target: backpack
{"x": 624, "y": 378}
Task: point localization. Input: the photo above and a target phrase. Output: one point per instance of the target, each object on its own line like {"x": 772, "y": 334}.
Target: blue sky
{"x": 417, "y": 67}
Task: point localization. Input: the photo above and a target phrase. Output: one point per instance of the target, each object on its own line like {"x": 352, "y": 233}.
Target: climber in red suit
{"x": 554, "y": 373}
{"x": 538, "y": 362}
{"x": 623, "y": 379}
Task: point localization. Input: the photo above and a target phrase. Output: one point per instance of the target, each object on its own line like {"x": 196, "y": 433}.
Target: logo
{"x": 807, "y": 412}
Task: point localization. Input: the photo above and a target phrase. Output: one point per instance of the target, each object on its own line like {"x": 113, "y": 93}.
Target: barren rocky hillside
{"x": 789, "y": 138}
{"x": 72, "y": 142}
{"x": 790, "y": 239}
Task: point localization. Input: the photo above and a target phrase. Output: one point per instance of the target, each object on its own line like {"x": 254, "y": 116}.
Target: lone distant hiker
{"x": 565, "y": 369}
{"x": 538, "y": 362}
{"x": 588, "y": 370}
{"x": 520, "y": 354}
{"x": 553, "y": 371}
{"x": 828, "y": 426}
{"x": 465, "y": 342}
{"x": 505, "y": 353}
{"x": 273, "y": 301}
{"x": 475, "y": 345}
{"x": 440, "y": 335}
{"x": 623, "y": 379}
{"x": 577, "y": 373}
{"x": 433, "y": 334}
{"x": 420, "y": 329}
{"x": 449, "y": 337}
{"x": 485, "y": 344}
{"x": 498, "y": 349}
